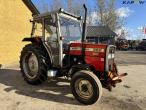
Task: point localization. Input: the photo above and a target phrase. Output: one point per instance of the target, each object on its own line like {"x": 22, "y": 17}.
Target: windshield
{"x": 70, "y": 30}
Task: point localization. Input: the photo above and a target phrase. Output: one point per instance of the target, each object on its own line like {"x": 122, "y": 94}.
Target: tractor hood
{"x": 90, "y": 49}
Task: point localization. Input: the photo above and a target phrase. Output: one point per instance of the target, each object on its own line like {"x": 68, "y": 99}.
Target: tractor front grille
{"x": 110, "y": 56}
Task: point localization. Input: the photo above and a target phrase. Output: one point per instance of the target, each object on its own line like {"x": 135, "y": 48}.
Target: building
{"x": 14, "y": 26}
{"x": 100, "y": 34}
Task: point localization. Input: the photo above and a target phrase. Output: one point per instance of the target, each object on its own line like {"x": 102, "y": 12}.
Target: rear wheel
{"x": 34, "y": 64}
{"x": 86, "y": 87}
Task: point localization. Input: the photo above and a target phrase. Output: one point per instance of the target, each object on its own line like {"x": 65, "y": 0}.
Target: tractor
{"x": 122, "y": 44}
{"x": 61, "y": 50}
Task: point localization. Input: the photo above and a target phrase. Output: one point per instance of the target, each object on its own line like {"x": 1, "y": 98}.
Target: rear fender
{"x": 38, "y": 40}
{"x": 33, "y": 40}
{"x": 79, "y": 67}
{"x": 82, "y": 66}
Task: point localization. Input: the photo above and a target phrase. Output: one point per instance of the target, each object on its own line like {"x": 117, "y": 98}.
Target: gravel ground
{"x": 16, "y": 94}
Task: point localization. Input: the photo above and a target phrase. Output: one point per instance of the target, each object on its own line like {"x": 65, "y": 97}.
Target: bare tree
{"x": 70, "y": 4}
{"x": 107, "y": 14}
{"x": 42, "y": 6}
{"x": 45, "y": 6}
{"x": 101, "y": 9}
{"x": 56, "y": 4}
{"x": 92, "y": 18}
{"x": 75, "y": 6}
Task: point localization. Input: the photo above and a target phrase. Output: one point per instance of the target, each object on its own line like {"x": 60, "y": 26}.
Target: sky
{"x": 135, "y": 15}
{"x": 132, "y": 11}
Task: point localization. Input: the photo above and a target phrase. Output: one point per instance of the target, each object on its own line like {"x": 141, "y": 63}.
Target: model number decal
{"x": 75, "y": 48}
{"x": 88, "y": 49}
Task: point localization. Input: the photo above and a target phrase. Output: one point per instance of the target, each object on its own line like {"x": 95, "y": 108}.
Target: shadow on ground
{"x": 115, "y": 103}
{"x": 55, "y": 91}
{"x": 50, "y": 91}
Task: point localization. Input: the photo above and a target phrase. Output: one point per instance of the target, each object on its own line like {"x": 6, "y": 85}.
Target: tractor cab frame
{"x": 56, "y": 28}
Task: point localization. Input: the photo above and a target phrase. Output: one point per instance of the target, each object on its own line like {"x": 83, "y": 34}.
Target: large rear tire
{"x": 34, "y": 63}
{"x": 86, "y": 87}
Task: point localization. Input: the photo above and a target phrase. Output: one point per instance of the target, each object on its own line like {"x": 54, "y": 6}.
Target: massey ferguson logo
{"x": 126, "y": 2}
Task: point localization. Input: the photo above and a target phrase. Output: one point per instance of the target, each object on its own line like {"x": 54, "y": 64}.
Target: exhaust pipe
{"x": 84, "y": 33}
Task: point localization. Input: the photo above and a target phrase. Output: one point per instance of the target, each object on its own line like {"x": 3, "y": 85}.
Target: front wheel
{"x": 86, "y": 87}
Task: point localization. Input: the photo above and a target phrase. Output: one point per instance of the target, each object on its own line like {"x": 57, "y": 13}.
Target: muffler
{"x": 52, "y": 73}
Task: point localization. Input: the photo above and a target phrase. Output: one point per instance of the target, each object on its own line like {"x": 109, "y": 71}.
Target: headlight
{"x": 111, "y": 56}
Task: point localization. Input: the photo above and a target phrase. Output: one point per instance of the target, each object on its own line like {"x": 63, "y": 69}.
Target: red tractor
{"x": 61, "y": 50}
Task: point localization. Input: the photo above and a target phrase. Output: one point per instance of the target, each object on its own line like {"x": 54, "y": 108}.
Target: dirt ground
{"x": 15, "y": 94}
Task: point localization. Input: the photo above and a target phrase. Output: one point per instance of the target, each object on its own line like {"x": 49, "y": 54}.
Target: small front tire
{"x": 86, "y": 87}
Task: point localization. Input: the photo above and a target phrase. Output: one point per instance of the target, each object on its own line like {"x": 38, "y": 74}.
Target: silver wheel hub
{"x": 30, "y": 65}
{"x": 33, "y": 64}
{"x": 84, "y": 88}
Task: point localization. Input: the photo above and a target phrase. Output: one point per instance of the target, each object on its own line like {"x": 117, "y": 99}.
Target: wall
{"x": 14, "y": 26}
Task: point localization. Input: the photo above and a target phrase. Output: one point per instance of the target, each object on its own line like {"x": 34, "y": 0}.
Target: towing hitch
{"x": 119, "y": 77}
{"x": 114, "y": 78}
